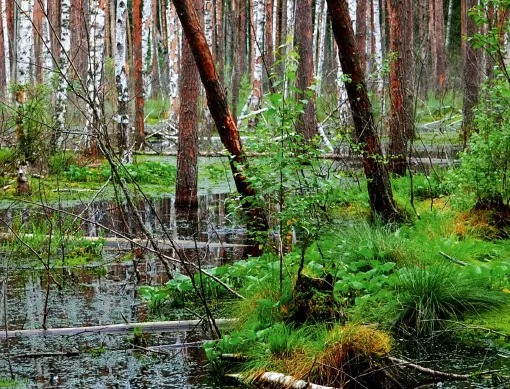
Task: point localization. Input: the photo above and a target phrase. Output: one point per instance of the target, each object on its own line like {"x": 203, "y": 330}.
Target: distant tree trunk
{"x": 218, "y": 106}
{"x": 37, "y": 60}
{"x": 79, "y": 37}
{"x": 26, "y": 42}
{"x": 6, "y": 44}
{"x": 269, "y": 34}
{"x": 155, "y": 79}
{"x": 97, "y": 24}
{"x": 187, "y": 157}
{"x": 342, "y": 92}
{"x": 173, "y": 60}
{"x": 139, "y": 74}
{"x": 322, "y": 47}
{"x": 378, "y": 181}
{"x": 489, "y": 62}
{"x": 220, "y": 24}
{"x": 440, "y": 70}
{"x": 3, "y": 62}
{"x": 238, "y": 54}
{"x": 401, "y": 115}
{"x": 146, "y": 40}
{"x": 471, "y": 66}
{"x": 63, "y": 75}
{"x": 449, "y": 25}
{"x": 307, "y": 122}
{"x": 122, "y": 83}
{"x": 282, "y": 34}
{"x": 377, "y": 47}
{"x": 46, "y": 39}
{"x": 361, "y": 31}
{"x": 257, "y": 64}
{"x": 424, "y": 45}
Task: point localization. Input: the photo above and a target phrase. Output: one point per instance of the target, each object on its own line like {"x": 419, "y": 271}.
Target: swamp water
{"x": 105, "y": 293}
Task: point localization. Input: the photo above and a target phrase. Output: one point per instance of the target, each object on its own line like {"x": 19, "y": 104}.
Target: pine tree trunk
{"x": 122, "y": 83}
{"x": 63, "y": 75}
{"x": 307, "y": 122}
{"x": 238, "y": 54}
{"x": 38, "y": 47}
{"x": 155, "y": 80}
{"x": 378, "y": 182}
{"x": 470, "y": 65}
{"x": 218, "y": 106}
{"x": 401, "y": 122}
{"x": 440, "y": 70}
{"x": 269, "y": 34}
{"x": 187, "y": 157}
{"x": 220, "y": 24}
{"x": 361, "y": 31}
{"x": 139, "y": 74}
{"x": 424, "y": 45}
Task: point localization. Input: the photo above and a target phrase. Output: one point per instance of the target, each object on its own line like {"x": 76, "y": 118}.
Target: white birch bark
{"x": 95, "y": 66}
{"x": 449, "y": 25}
{"x": 147, "y": 61}
{"x": 321, "y": 43}
{"x": 121, "y": 80}
{"x": 378, "y": 46}
{"x": 7, "y": 55}
{"x": 291, "y": 21}
{"x": 316, "y": 29}
{"x": 173, "y": 32}
{"x": 26, "y": 41}
{"x": 46, "y": 43}
{"x": 257, "y": 60}
{"x": 63, "y": 69}
{"x": 208, "y": 23}
{"x": 275, "y": 25}
{"x": 343, "y": 99}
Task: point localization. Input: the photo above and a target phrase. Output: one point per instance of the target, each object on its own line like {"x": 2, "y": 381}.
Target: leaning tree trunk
{"x": 139, "y": 74}
{"x": 122, "y": 83}
{"x": 307, "y": 122}
{"x": 95, "y": 73}
{"x": 187, "y": 155}
{"x": 63, "y": 75}
{"x": 401, "y": 113}
{"x": 217, "y": 102}
{"x": 378, "y": 181}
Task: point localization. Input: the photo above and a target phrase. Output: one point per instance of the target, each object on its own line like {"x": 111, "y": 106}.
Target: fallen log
{"x": 161, "y": 326}
{"x": 285, "y": 381}
{"x": 166, "y": 243}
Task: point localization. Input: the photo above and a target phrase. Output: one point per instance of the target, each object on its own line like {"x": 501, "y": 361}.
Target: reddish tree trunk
{"x": 470, "y": 65}
{"x": 37, "y": 23}
{"x": 218, "y": 106}
{"x": 361, "y": 31}
{"x": 378, "y": 181}
{"x": 269, "y": 34}
{"x": 238, "y": 55}
{"x": 220, "y": 24}
{"x": 440, "y": 70}
{"x": 401, "y": 114}
{"x": 137, "y": 53}
{"x": 187, "y": 156}
{"x": 307, "y": 123}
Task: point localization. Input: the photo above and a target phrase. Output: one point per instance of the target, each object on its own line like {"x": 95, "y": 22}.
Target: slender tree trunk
{"x": 361, "y": 31}
{"x": 173, "y": 60}
{"x": 46, "y": 35}
{"x": 139, "y": 74}
{"x": 378, "y": 182}
{"x": 63, "y": 75}
{"x": 79, "y": 37}
{"x": 122, "y": 83}
{"x": 342, "y": 91}
{"x": 238, "y": 54}
{"x": 218, "y": 106}
{"x": 424, "y": 46}
{"x": 220, "y": 24}
{"x": 269, "y": 34}
{"x": 3, "y": 62}
{"x": 322, "y": 47}
{"x": 187, "y": 157}
{"x": 97, "y": 24}
{"x": 378, "y": 51}
{"x": 155, "y": 80}
{"x": 38, "y": 46}
{"x": 401, "y": 115}
{"x": 307, "y": 122}
{"x": 146, "y": 40}
{"x": 440, "y": 71}
{"x": 449, "y": 25}
{"x": 471, "y": 76}
{"x": 6, "y": 44}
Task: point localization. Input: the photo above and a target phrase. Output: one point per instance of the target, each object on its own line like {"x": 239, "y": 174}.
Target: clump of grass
{"x": 428, "y": 295}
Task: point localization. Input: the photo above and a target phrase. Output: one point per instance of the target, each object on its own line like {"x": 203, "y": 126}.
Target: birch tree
{"x": 121, "y": 81}
{"x": 25, "y": 44}
{"x": 146, "y": 30}
{"x": 342, "y": 92}
{"x": 46, "y": 49}
{"x": 6, "y": 42}
{"x": 63, "y": 73}
{"x": 173, "y": 33}
{"x": 95, "y": 70}
{"x": 139, "y": 74}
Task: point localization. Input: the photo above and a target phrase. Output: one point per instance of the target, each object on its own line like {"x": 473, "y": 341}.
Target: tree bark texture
{"x": 470, "y": 66}
{"x": 139, "y": 74}
{"x": 378, "y": 181}
{"x": 187, "y": 154}
{"x": 218, "y": 106}
{"x": 401, "y": 112}
{"x": 307, "y": 122}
